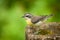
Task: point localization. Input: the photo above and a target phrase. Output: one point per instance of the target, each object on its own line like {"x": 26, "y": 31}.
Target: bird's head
{"x": 27, "y": 16}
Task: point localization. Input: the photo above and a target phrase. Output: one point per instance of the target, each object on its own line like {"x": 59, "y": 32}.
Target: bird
{"x": 35, "y": 20}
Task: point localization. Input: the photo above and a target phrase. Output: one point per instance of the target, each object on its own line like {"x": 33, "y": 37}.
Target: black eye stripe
{"x": 28, "y": 16}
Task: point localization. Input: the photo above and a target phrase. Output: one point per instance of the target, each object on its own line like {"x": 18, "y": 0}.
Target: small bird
{"x": 35, "y": 20}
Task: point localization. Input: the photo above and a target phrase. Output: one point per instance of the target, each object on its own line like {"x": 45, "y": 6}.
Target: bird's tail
{"x": 50, "y": 15}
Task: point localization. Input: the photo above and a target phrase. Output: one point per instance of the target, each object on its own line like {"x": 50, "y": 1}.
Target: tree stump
{"x": 46, "y": 31}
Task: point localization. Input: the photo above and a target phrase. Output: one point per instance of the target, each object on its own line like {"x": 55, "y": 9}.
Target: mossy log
{"x": 46, "y": 31}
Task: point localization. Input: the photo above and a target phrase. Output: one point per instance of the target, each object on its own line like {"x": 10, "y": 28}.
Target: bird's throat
{"x": 29, "y": 22}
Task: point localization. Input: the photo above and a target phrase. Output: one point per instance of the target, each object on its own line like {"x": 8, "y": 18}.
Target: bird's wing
{"x": 36, "y": 19}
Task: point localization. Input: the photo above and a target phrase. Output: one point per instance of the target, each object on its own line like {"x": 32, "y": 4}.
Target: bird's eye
{"x": 27, "y": 16}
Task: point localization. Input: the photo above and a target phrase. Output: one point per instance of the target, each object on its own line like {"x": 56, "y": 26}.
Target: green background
{"x": 12, "y": 26}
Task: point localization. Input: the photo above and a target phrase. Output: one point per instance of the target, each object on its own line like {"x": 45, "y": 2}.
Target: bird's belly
{"x": 38, "y": 23}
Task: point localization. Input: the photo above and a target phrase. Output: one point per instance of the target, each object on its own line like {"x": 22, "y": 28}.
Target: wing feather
{"x": 38, "y": 18}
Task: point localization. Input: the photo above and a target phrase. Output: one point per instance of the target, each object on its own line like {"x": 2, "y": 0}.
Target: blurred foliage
{"x": 12, "y": 26}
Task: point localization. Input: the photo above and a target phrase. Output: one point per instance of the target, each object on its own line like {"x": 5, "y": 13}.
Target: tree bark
{"x": 49, "y": 31}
